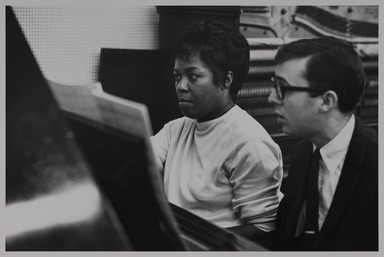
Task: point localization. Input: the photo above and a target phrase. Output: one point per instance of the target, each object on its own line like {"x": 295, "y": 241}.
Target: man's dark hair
{"x": 220, "y": 47}
{"x": 334, "y": 65}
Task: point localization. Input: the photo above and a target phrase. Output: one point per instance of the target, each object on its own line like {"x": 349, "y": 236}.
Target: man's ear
{"x": 228, "y": 80}
{"x": 329, "y": 101}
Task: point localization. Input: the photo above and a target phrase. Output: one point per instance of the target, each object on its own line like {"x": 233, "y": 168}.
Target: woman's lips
{"x": 183, "y": 100}
{"x": 184, "y": 103}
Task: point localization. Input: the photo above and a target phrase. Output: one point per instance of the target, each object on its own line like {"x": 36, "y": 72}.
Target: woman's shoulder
{"x": 244, "y": 123}
{"x": 179, "y": 124}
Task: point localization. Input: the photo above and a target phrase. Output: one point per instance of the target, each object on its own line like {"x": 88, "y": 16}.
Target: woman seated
{"x": 219, "y": 162}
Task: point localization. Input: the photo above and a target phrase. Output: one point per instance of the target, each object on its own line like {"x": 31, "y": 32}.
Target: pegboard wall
{"x": 66, "y": 41}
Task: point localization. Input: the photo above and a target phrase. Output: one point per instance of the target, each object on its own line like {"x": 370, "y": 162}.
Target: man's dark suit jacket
{"x": 352, "y": 220}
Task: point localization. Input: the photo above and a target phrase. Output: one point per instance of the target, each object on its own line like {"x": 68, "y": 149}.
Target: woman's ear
{"x": 228, "y": 80}
{"x": 329, "y": 101}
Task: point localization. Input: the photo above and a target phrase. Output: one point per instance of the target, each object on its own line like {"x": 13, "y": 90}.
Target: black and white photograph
{"x": 201, "y": 128}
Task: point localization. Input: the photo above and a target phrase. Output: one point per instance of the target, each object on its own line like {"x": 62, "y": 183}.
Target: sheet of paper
{"x": 77, "y": 99}
{"x": 91, "y": 102}
{"x": 123, "y": 114}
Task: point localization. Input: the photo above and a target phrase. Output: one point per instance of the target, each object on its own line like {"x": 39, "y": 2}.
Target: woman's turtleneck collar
{"x": 201, "y": 126}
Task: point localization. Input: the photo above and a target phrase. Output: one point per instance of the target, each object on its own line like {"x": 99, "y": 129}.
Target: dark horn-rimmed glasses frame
{"x": 280, "y": 88}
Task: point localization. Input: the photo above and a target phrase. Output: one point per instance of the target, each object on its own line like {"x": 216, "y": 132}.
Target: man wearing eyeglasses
{"x": 330, "y": 201}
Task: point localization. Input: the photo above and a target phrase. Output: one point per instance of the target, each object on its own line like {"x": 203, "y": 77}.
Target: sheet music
{"x": 123, "y": 114}
{"x": 76, "y": 99}
{"x": 91, "y": 102}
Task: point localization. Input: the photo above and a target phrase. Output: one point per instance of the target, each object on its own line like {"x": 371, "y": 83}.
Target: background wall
{"x": 66, "y": 41}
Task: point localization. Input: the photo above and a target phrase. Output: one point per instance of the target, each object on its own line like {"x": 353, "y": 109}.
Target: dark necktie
{"x": 312, "y": 202}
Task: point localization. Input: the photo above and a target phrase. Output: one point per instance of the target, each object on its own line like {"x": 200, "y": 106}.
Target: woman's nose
{"x": 182, "y": 85}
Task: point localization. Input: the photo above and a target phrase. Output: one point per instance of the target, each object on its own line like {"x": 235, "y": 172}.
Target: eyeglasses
{"x": 281, "y": 87}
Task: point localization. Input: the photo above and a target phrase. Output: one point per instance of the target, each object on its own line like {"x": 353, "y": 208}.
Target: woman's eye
{"x": 177, "y": 77}
{"x": 193, "y": 77}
